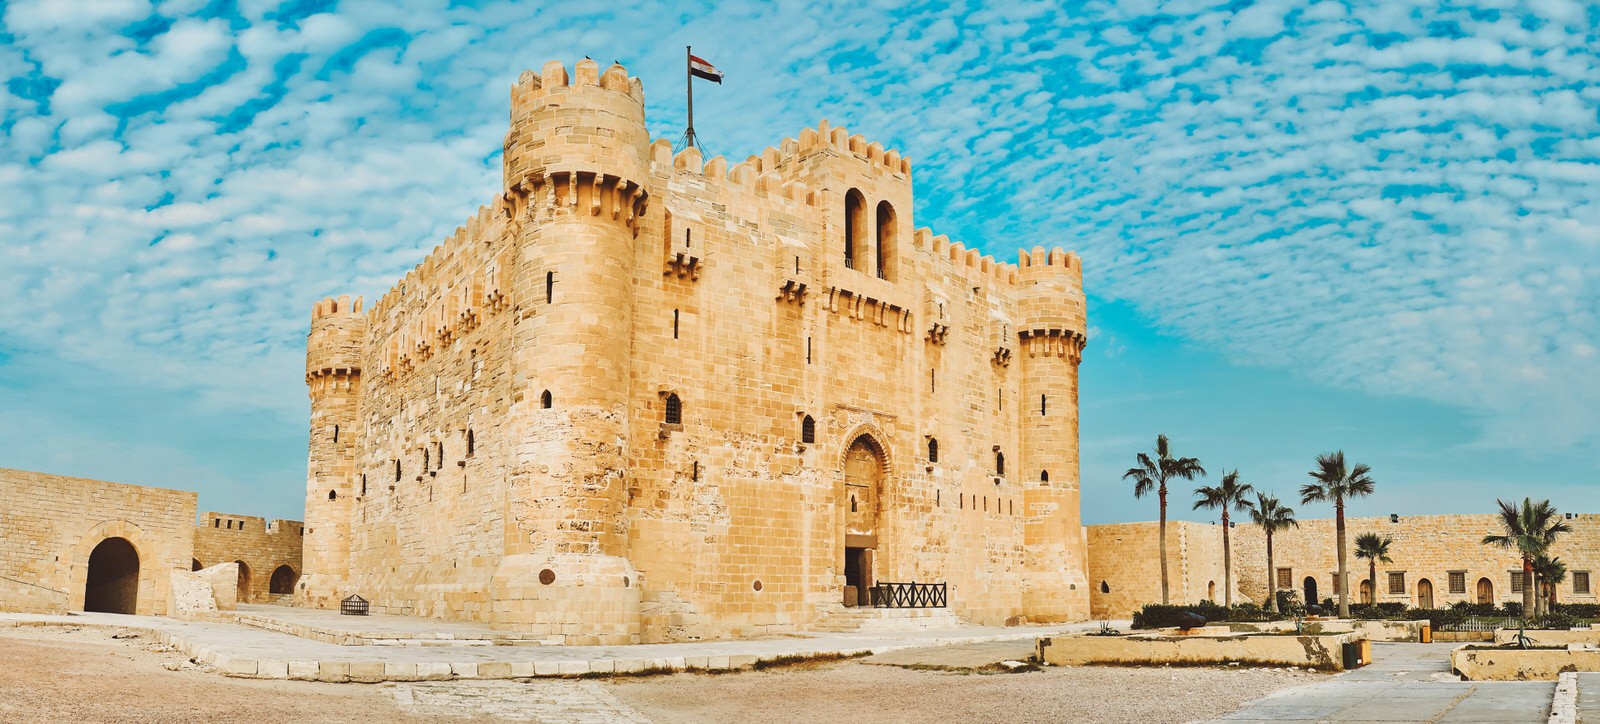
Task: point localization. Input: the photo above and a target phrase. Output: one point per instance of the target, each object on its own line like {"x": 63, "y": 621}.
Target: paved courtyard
{"x": 1405, "y": 683}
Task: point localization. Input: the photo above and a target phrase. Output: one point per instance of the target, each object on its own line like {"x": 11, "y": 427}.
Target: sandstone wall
{"x": 510, "y": 422}
{"x": 1125, "y": 568}
{"x": 51, "y": 524}
{"x": 261, "y": 548}
{"x": 1426, "y": 548}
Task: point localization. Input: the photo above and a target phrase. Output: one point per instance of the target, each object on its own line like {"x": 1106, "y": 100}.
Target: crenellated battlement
{"x": 742, "y": 176}
{"x": 828, "y": 137}
{"x": 329, "y": 305}
{"x": 532, "y": 89}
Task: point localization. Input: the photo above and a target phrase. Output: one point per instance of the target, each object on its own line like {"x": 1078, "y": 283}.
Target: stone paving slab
{"x": 376, "y": 629}
{"x": 241, "y": 651}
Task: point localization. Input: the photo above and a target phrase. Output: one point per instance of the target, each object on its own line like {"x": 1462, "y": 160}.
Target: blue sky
{"x": 1305, "y": 226}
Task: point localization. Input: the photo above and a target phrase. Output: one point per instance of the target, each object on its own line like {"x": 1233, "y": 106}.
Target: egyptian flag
{"x": 699, "y": 68}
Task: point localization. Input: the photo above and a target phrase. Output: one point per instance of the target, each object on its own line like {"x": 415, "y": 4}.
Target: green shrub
{"x": 1556, "y": 621}
{"x": 1437, "y": 617}
{"x": 1156, "y": 615}
{"x": 1579, "y": 610}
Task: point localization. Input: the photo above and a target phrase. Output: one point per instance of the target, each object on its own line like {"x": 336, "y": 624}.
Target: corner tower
{"x": 333, "y": 376}
{"x": 1051, "y": 327}
{"x": 576, "y": 162}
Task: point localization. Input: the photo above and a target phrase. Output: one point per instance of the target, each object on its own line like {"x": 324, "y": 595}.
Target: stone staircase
{"x": 863, "y": 619}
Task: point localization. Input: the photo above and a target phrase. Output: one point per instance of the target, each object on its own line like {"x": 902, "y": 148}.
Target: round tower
{"x": 333, "y": 376}
{"x": 1051, "y": 329}
{"x": 576, "y": 164}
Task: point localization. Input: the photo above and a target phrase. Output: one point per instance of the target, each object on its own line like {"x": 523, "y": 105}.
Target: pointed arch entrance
{"x": 113, "y": 580}
{"x": 244, "y": 582}
{"x": 865, "y": 466}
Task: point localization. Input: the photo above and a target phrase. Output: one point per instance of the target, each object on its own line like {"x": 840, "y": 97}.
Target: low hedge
{"x": 1156, "y": 615}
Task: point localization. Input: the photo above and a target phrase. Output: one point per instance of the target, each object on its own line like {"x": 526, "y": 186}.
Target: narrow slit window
{"x": 425, "y": 459}
{"x": 695, "y": 473}
{"x": 1042, "y": 405}
{"x": 933, "y": 450}
{"x": 674, "y": 324}
{"x": 808, "y": 350}
{"x": 363, "y": 486}
{"x": 439, "y": 462}
{"x": 397, "y": 471}
{"x": 335, "y": 433}
{"x": 549, "y": 287}
{"x": 471, "y": 444}
{"x": 999, "y": 463}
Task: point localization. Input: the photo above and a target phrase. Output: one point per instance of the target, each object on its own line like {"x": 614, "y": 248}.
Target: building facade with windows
{"x": 646, "y": 396}
{"x": 1436, "y": 561}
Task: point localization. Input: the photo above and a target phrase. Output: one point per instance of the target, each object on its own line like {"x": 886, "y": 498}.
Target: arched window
{"x": 808, "y": 430}
{"x": 333, "y": 495}
{"x": 933, "y": 450}
{"x": 886, "y": 236}
{"x": 1044, "y": 476}
{"x": 999, "y": 463}
{"x": 546, "y": 400}
{"x": 674, "y": 414}
{"x": 1105, "y": 587}
{"x": 471, "y": 445}
{"x": 855, "y": 225}
{"x": 425, "y": 460}
{"x": 439, "y": 462}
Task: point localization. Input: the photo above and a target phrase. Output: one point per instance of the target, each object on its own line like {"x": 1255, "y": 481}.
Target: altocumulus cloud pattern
{"x": 1393, "y": 197}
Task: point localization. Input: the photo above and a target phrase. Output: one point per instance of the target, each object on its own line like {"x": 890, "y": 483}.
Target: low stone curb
{"x": 380, "y": 671}
{"x": 1564, "y": 703}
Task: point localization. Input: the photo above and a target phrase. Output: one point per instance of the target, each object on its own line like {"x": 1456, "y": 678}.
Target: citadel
{"x": 642, "y": 396}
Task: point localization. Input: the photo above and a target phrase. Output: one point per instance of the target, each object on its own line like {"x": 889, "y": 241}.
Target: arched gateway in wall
{"x": 865, "y": 467}
{"x": 113, "y": 580}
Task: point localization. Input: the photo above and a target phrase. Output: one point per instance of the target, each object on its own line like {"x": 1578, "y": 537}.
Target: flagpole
{"x": 688, "y": 71}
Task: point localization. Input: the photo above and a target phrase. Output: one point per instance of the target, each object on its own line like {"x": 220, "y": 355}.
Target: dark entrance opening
{"x": 113, "y": 581}
{"x": 857, "y": 576}
{"x": 1311, "y": 592}
{"x": 282, "y": 580}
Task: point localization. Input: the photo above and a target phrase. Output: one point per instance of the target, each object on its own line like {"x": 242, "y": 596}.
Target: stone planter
{"x": 1495, "y": 664}
{"x": 1322, "y": 651}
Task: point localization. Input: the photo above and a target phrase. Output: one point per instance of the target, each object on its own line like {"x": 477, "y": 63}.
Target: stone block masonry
{"x": 268, "y": 553}
{"x": 646, "y": 396}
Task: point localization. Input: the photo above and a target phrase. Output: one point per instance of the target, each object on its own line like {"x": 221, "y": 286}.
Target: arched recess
{"x": 112, "y": 582}
{"x": 866, "y": 467}
{"x": 282, "y": 581}
{"x": 244, "y": 582}
{"x": 855, "y": 226}
{"x": 1211, "y": 590}
{"x": 887, "y": 227}
{"x": 149, "y": 597}
{"x": 1310, "y": 591}
{"x": 1366, "y": 590}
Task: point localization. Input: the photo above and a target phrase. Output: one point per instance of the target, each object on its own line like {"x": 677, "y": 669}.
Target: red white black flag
{"x": 701, "y": 69}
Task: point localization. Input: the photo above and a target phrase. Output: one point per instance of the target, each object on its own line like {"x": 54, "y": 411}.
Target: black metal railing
{"x": 353, "y": 606}
{"x": 908, "y": 595}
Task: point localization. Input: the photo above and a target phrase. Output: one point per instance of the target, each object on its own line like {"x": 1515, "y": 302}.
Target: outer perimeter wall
{"x": 269, "y": 553}
{"x": 51, "y": 525}
{"x": 1125, "y": 565}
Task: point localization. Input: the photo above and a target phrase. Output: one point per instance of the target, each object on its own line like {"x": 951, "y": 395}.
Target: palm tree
{"x": 1530, "y": 529}
{"x": 1550, "y": 572}
{"x": 1335, "y": 483}
{"x": 1154, "y": 473}
{"x": 1272, "y": 516}
{"x": 1373, "y": 548}
{"x": 1230, "y": 494}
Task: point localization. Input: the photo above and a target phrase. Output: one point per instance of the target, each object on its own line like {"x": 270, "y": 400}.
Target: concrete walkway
{"x": 243, "y": 651}
{"x": 1406, "y": 683}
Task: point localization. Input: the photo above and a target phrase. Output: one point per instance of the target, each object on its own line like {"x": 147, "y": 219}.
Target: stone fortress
{"x": 644, "y": 396}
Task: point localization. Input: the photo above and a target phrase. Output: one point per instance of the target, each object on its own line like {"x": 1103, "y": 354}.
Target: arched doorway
{"x": 863, "y": 482}
{"x": 1311, "y": 591}
{"x": 1366, "y": 590}
{"x": 282, "y": 580}
{"x": 244, "y": 582}
{"x": 1485, "y": 591}
{"x": 1424, "y": 593}
{"x": 113, "y": 581}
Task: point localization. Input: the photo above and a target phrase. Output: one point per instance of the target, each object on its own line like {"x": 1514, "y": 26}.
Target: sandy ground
{"x": 857, "y": 692}
{"x": 55, "y": 674}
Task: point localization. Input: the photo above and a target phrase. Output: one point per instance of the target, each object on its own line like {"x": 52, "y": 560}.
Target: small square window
{"x": 1516, "y": 581}
{"x": 1580, "y": 581}
{"x": 1285, "y": 578}
{"x": 1458, "y": 581}
{"x": 1397, "y": 582}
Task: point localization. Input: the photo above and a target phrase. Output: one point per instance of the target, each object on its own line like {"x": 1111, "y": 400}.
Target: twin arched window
{"x": 857, "y": 232}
